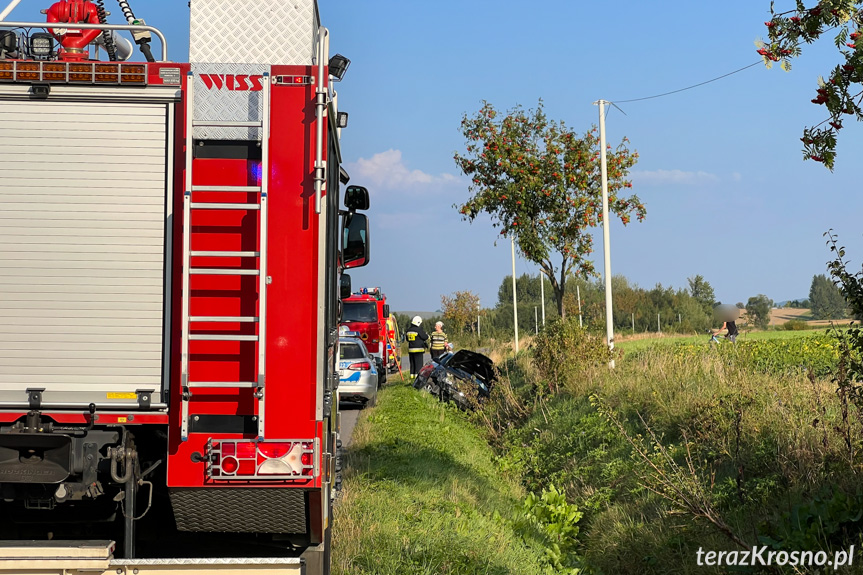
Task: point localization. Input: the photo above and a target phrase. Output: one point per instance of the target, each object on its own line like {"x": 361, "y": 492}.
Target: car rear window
{"x": 350, "y": 351}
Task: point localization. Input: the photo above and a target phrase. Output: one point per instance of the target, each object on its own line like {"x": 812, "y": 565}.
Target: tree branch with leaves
{"x": 842, "y": 92}
{"x": 541, "y": 183}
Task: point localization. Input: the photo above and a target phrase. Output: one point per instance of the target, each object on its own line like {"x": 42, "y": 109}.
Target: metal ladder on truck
{"x": 190, "y": 206}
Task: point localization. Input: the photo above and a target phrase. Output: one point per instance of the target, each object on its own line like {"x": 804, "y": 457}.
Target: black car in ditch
{"x": 465, "y": 377}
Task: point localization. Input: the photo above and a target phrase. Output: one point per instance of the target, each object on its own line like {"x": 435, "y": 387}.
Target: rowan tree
{"x": 460, "y": 309}
{"x": 540, "y": 182}
{"x": 841, "y": 93}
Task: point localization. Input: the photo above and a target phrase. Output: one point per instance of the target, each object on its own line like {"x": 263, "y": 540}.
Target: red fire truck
{"x": 161, "y": 389}
{"x": 366, "y": 313}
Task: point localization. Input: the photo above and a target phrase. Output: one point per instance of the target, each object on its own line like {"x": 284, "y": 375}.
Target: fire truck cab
{"x": 366, "y": 312}
{"x": 159, "y": 386}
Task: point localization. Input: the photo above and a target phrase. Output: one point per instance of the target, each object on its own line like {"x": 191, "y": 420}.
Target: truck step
{"x": 249, "y": 189}
{"x": 225, "y": 124}
{"x": 222, "y": 272}
{"x": 223, "y": 254}
{"x": 221, "y": 384}
{"x": 223, "y": 206}
{"x": 221, "y": 337}
{"x": 224, "y": 319}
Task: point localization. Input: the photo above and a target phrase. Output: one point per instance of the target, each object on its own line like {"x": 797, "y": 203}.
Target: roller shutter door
{"x": 82, "y": 251}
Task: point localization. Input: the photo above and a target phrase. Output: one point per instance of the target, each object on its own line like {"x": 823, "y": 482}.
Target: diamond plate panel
{"x": 238, "y": 510}
{"x": 214, "y": 103}
{"x": 253, "y": 31}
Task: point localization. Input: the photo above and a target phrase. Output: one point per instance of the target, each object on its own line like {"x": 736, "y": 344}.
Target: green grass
{"x": 773, "y": 454}
{"x": 422, "y": 495}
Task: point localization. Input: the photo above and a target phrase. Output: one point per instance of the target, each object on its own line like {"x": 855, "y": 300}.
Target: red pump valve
{"x": 74, "y": 42}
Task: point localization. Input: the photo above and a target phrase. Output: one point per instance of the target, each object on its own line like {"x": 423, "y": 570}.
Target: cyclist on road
{"x": 731, "y": 326}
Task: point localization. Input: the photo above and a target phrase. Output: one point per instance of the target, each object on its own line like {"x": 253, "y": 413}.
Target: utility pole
{"x": 578, "y": 297}
{"x": 535, "y": 320}
{"x": 633, "y": 322}
{"x": 542, "y": 295}
{"x": 478, "y": 330}
{"x": 514, "y": 302}
{"x": 658, "y": 324}
{"x": 606, "y": 241}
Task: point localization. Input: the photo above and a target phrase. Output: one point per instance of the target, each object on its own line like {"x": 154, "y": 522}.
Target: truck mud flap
{"x": 240, "y": 510}
{"x": 35, "y": 457}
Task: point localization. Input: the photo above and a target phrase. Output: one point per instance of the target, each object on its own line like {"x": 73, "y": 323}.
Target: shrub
{"x": 795, "y": 325}
{"x": 563, "y": 351}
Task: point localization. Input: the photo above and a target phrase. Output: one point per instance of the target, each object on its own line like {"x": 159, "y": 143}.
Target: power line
{"x": 690, "y": 87}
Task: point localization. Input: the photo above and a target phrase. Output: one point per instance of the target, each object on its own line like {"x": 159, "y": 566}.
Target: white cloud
{"x": 674, "y": 177}
{"x": 386, "y": 171}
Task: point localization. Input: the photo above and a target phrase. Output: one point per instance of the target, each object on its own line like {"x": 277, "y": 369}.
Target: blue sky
{"x": 728, "y": 195}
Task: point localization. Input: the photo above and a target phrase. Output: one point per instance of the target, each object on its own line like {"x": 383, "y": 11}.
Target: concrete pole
{"x": 633, "y": 323}
{"x": 609, "y": 318}
{"x": 535, "y": 320}
{"x": 478, "y": 330}
{"x": 658, "y": 324}
{"x": 542, "y": 295}
{"x": 578, "y": 296}
{"x": 514, "y": 302}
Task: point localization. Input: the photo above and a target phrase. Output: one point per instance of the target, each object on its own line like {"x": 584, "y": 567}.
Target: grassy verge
{"x": 423, "y": 495}
{"x": 679, "y": 449}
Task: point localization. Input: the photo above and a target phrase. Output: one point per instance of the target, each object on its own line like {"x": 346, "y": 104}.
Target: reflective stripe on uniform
{"x": 438, "y": 340}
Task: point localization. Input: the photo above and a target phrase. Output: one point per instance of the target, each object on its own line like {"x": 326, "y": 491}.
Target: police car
{"x": 358, "y": 376}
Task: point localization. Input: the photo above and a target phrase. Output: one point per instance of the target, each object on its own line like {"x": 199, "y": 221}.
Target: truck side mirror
{"x": 356, "y": 198}
{"x": 355, "y": 241}
{"x": 345, "y": 286}
{"x": 387, "y": 310}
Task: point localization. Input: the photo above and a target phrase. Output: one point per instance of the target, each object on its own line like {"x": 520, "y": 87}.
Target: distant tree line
{"x": 661, "y": 308}
{"x": 636, "y": 310}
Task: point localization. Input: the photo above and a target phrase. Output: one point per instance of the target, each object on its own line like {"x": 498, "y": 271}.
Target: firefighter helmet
{"x": 417, "y": 320}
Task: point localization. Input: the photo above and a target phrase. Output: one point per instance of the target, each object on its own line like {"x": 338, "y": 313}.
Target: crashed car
{"x": 464, "y": 377}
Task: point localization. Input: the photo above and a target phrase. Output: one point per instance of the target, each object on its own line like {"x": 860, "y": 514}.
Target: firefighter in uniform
{"x": 416, "y": 337}
{"x": 439, "y": 341}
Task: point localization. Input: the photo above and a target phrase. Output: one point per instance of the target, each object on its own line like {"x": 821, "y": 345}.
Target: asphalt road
{"x": 349, "y": 414}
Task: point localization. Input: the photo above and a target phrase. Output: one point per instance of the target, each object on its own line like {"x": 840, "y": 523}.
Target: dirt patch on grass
{"x": 779, "y": 316}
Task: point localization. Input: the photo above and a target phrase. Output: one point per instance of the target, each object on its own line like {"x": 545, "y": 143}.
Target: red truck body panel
{"x": 292, "y": 312}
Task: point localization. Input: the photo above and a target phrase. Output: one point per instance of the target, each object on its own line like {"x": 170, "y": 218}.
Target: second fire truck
{"x": 366, "y": 313}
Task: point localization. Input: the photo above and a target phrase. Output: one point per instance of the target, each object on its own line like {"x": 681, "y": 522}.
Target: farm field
{"x": 648, "y": 342}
